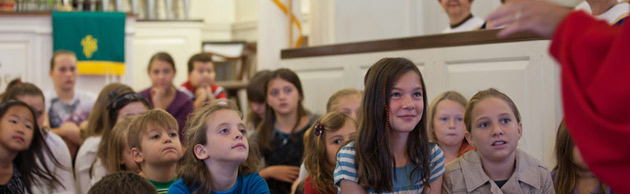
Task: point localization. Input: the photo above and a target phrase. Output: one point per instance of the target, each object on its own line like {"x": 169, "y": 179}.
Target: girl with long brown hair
{"x": 571, "y": 175}
{"x": 281, "y": 133}
{"x": 162, "y": 94}
{"x": 391, "y": 152}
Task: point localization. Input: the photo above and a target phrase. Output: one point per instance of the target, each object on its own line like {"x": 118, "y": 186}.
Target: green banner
{"x": 97, "y": 38}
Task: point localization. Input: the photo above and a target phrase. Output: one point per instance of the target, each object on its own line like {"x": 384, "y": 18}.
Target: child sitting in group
{"x": 114, "y": 154}
{"x": 496, "y": 165}
{"x": 446, "y": 124}
{"x": 154, "y": 142}
{"x": 61, "y": 163}
{"x": 200, "y": 86}
{"x": 280, "y": 136}
{"x": 321, "y": 143}
{"x": 218, "y": 157}
{"x": 22, "y": 147}
{"x": 571, "y": 175}
{"x": 123, "y": 182}
{"x": 115, "y": 101}
{"x": 256, "y": 100}
{"x": 348, "y": 101}
{"x": 391, "y": 153}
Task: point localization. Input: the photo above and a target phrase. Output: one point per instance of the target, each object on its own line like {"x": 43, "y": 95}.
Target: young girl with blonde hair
{"x": 496, "y": 165}
{"x": 446, "y": 124}
{"x": 114, "y": 154}
{"x": 218, "y": 157}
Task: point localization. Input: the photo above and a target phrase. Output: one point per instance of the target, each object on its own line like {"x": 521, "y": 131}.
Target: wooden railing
{"x": 419, "y": 42}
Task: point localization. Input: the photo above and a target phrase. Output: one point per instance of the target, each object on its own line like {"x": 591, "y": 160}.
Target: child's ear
{"x": 200, "y": 152}
{"x": 520, "y": 130}
{"x": 468, "y": 138}
{"x": 137, "y": 155}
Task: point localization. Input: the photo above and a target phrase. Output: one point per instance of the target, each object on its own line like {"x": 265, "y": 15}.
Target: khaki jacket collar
{"x": 526, "y": 171}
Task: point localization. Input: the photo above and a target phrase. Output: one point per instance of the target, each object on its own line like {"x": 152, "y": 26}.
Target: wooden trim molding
{"x": 418, "y": 42}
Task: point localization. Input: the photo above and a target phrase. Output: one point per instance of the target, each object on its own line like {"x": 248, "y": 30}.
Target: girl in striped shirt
{"x": 391, "y": 153}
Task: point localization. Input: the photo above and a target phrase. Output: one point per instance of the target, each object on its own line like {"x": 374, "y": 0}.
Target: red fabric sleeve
{"x": 221, "y": 95}
{"x": 596, "y": 93}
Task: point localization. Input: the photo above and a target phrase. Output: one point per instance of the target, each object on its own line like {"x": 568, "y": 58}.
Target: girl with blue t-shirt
{"x": 391, "y": 153}
{"x": 218, "y": 157}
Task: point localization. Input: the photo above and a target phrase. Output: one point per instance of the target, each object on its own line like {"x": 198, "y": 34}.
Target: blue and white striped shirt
{"x": 346, "y": 170}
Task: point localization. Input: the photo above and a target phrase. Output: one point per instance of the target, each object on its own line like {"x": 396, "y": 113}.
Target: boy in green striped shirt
{"x": 154, "y": 141}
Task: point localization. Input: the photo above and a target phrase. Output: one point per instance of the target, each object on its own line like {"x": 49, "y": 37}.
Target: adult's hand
{"x": 538, "y": 16}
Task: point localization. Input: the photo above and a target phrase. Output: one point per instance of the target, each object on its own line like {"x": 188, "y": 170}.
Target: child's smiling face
{"x": 406, "y": 103}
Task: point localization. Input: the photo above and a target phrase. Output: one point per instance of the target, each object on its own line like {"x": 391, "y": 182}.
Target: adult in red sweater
{"x": 595, "y": 80}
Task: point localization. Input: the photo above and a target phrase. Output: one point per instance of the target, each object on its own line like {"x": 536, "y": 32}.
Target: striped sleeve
{"x": 345, "y": 168}
{"x": 437, "y": 162}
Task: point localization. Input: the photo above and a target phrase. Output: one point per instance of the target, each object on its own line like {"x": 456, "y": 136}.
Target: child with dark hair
{"x": 123, "y": 183}
{"x": 22, "y": 148}
{"x": 391, "y": 152}
{"x": 256, "y": 99}
{"x": 60, "y": 162}
{"x": 162, "y": 94}
{"x": 200, "y": 86}
{"x": 571, "y": 175}
{"x": 281, "y": 133}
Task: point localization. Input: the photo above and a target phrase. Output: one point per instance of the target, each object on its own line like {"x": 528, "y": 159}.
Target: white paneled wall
{"x": 522, "y": 70}
{"x": 180, "y": 39}
{"x": 360, "y": 20}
